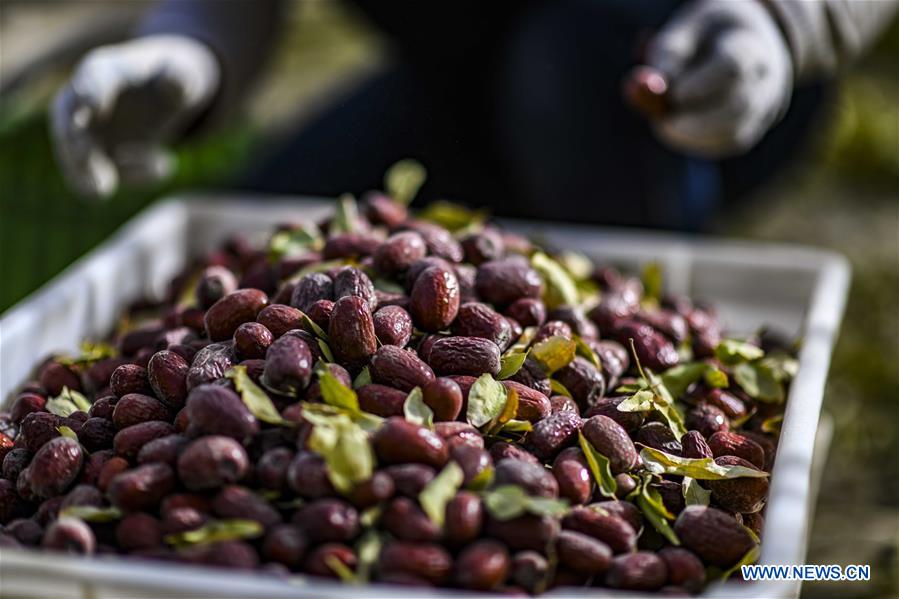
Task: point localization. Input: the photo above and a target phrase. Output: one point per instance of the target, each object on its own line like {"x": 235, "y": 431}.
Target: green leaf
{"x": 783, "y": 366}
{"x": 67, "y": 432}
{"x": 362, "y": 379}
{"x": 90, "y": 513}
{"x": 403, "y": 180}
{"x": 67, "y": 403}
{"x": 510, "y": 364}
{"x": 524, "y": 341}
{"x": 578, "y": 265}
{"x": 559, "y": 289}
{"x": 346, "y": 215}
{"x": 584, "y": 350}
{"x": 641, "y": 401}
{"x": 216, "y": 531}
{"x": 343, "y": 572}
{"x": 369, "y": 518}
{"x": 559, "y": 389}
{"x": 663, "y": 399}
{"x": 482, "y": 480}
{"x": 506, "y": 502}
{"x": 510, "y": 409}
{"x": 759, "y": 382}
{"x": 486, "y": 400}
{"x": 368, "y": 549}
{"x": 659, "y": 462}
{"x": 694, "y": 493}
{"x": 294, "y": 242}
{"x": 91, "y": 353}
{"x": 679, "y": 378}
{"x": 314, "y": 329}
{"x": 416, "y": 410}
{"x": 256, "y": 400}
{"x": 653, "y": 281}
{"x": 510, "y": 501}
{"x": 515, "y": 426}
{"x": 452, "y": 216}
{"x": 546, "y": 506}
{"x": 554, "y": 353}
{"x": 335, "y": 393}
{"x": 599, "y": 467}
{"x": 750, "y": 557}
{"x": 439, "y": 491}
{"x": 650, "y": 503}
{"x": 773, "y": 424}
{"x": 715, "y": 377}
{"x": 732, "y": 351}
{"x": 344, "y": 446}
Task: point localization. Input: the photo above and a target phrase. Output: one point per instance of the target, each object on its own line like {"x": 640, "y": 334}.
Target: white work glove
{"x": 111, "y": 123}
{"x": 730, "y": 76}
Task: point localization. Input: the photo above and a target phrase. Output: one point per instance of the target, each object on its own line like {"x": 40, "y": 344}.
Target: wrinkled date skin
{"x": 216, "y": 410}
{"x": 210, "y": 364}
{"x": 236, "y": 308}
{"x": 612, "y": 441}
{"x": 141, "y": 488}
{"x": 167, "y": 373}
{"x": 434, "y": 301}
{"x": 351, "y": 331}
{"x": 210, "y": 462}
{"x": 398, "y": 441}
{"x": 55, "y": 466}
{"x": 713, "y": 535}
{"x": 471, "y": 356}
{"x": 393, "y": 326}
{"x": 479, "y": 320}
{"x": 501, "y": 282}
{"x": 399, "y": 252}
{"x": 399, "y": 368}
{"x": 310, "y": 289}
{"x": 288, "y": 365}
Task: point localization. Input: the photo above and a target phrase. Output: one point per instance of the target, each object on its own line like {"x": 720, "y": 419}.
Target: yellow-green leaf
{"x": 510, "y": 501}
{"x": 733, "y": 351}
{"x": 750, "y": 557}
{"x": 294, "y": 242}
{"x": 335, "y": 393}
{"x": 452, "y": 216}
{"x": 759, "y": 382}
{"x": 90, "y": 513}
{"x": 554, "y": 353}
{"x": 363, "y": 378}
{"x": 344, "y": 446}
{"x": 559, "y": 288}
{"x": 217, "y": 531}
{"x": 694, "y": 493}
{"x": 486, "y": 400}
{"x": 439, "y": 491}
{"x": 599, "y": 467}
{"x": 584, "y": 350}
{"x": 650, "y": 503}
{"x": 67, "y": 432}
{"x": 91, "y": 353}
{"x": 559, "y": 389}
{"x": 256, "y": 400}
{"x": 346, "y": 215}
{"x": 416, "y": 410}
{"x": 403, "y": 180}
{"x": 641, "y": 401}
{"x": 510, "y": 364}
{"x": 653, "y": 281}
{"x": 659, "y": 462}
{"x": 67, "y": 403}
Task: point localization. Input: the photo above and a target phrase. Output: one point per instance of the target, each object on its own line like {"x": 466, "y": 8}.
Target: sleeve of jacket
{"x": 241, "y": 33}
{"x": 824, "y": 35}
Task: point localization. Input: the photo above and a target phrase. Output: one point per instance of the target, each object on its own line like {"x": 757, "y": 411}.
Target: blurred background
{"x": 840, "y": 192}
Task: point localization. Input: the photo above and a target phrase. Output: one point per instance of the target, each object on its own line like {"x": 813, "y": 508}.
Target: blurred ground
{"x": 843, "y": 195}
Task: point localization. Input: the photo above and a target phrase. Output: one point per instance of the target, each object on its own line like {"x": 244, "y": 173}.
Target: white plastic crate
{"x": 795, "y": 289}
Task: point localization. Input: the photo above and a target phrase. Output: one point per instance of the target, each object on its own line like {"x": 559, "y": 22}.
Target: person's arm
{"x": 241, "y": 34}
{"x": 731, "y": 65}
{"x": 826, "y": 35}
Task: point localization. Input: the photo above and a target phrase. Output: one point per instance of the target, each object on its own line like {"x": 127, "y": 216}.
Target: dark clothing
{"x": 516, "y": 106}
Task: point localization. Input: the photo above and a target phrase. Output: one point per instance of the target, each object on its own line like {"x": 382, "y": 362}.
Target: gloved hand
{"x": 111, "y": 123}
{"x": 730, "y": 76}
